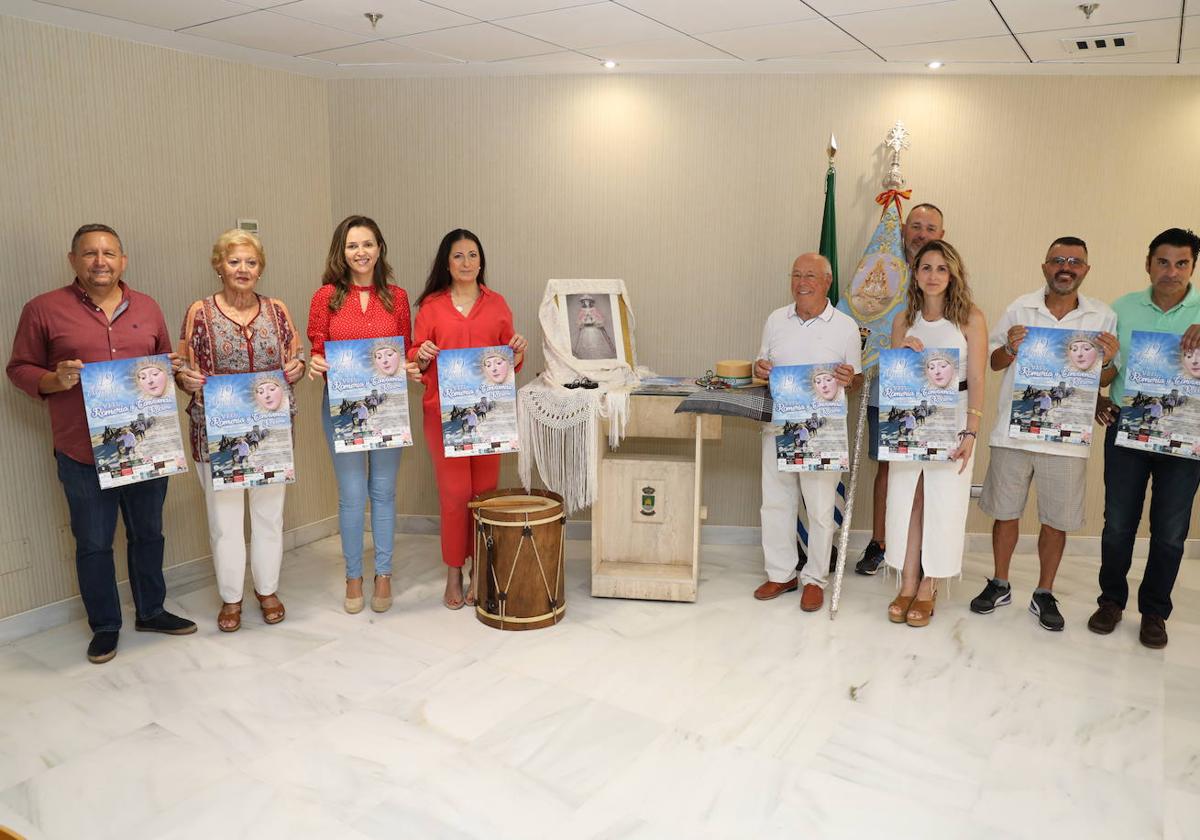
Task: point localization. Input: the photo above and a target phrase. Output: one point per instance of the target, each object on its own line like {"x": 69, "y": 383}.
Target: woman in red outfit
{"x": 457, "y": 310}
{"x": 356, "y": 301}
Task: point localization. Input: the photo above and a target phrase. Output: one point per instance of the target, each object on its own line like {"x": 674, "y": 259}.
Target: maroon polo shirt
{"x": 65, "y": 324}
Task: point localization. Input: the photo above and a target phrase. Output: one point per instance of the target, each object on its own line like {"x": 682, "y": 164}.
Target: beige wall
{"x": 170, "y": 149}
{"x": 698, "y": 191}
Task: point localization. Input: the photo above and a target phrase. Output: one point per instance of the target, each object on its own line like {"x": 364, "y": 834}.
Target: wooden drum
{"x": 518, "y": 569}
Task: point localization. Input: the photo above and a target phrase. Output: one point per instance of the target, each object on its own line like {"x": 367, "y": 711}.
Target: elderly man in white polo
{"x": 805, "y": 332}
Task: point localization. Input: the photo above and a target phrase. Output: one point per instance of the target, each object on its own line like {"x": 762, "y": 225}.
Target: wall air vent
{"x": 1100, "y": 45}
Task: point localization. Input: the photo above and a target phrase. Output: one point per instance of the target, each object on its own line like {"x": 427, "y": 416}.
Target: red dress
{"x": 488, "y": 323}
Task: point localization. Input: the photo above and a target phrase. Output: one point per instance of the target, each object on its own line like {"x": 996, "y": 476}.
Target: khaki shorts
{"x": 1061, "y": 481}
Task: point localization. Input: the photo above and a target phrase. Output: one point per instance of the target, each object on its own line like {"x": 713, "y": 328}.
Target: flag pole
{"x": 896, "y": 141}
{"x": 855, "y": 463}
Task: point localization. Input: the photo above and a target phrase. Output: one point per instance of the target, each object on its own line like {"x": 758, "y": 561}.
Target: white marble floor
{"x": 727, "y": 718}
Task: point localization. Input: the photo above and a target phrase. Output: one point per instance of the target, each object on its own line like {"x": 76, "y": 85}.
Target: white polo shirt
{"x": 1030, "y": 311}
{"x": 830, "y": 338}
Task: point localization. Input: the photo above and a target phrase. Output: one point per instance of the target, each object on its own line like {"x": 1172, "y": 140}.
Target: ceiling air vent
{"x": 1100, "y": 45}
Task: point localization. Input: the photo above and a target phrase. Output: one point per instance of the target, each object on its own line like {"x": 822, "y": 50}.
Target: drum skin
{"x": 518, "y": 570}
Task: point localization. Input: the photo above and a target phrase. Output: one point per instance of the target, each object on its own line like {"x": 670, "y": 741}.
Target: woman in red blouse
{"x": 457, "y": 310}
{"x": 356, "y": 301}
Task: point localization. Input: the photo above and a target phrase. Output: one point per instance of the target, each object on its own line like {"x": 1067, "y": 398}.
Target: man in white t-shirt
{"x": 805, "y": 332}
{"x": 1058, "y": 470}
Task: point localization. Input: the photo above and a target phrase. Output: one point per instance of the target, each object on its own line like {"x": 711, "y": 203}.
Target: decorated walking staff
{"x": 876, "y": 292}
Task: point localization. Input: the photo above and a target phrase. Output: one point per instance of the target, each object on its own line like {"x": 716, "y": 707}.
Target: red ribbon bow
{"x": 893, "y": 196}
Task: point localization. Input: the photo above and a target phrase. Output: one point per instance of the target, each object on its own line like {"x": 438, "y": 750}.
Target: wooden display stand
{"x": 647, "y": 511}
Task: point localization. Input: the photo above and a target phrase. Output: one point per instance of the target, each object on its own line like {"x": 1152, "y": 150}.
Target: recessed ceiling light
{"x": 934, "y": 65}
{"x": 610, "y": 65}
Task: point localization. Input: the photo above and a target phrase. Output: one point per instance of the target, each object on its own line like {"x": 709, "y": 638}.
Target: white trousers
{"x": 781, "y": 492}
{"x": 227, "y": 535}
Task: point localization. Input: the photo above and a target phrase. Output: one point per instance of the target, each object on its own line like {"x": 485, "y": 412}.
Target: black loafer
{"x": 164, "y": 622}
{"x": 103, "y": 646}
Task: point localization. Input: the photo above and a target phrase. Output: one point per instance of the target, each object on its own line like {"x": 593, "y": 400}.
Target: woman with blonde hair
{"x": 237, "y": 330}
{"x": 356, "y": 300}
{"x": 940, "y": 314}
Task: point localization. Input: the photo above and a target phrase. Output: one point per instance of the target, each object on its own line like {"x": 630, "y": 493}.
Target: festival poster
{"x": 479, "y": 401}
{"x": 920, "y": 412}
{"x": 1055, "y": 385}
{"x": 133, "y": 419}
{"x": 1160, "y": 408}
{"x": 368, "y": 394}
{"x": 808, "y": 419}
{"x": 247, "y": 417}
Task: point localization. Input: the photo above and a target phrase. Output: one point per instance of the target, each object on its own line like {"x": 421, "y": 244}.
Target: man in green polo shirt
{"x": 1170, "y": 304}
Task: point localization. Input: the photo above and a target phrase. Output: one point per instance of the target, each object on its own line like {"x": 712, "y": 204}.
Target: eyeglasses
{"x": 1074, "y": 262}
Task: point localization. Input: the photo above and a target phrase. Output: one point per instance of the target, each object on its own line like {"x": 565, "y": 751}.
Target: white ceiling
{"x": 334, "y": 39}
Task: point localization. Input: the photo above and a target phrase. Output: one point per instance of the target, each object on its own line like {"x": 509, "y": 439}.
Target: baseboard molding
{"x": 198, "y": 572}
{"x": 181, "y": 577}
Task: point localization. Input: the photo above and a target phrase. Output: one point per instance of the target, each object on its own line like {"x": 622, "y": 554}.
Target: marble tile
{"x": 108, "y": 791}
{"x": 553, "y": 739}
{"x": 723, "y": 718}
{"x": 1053, "y": 796}
{"x": 1182, "y": 815}
{"x": 243, "y": 808}
{"x": 25, "y": 679}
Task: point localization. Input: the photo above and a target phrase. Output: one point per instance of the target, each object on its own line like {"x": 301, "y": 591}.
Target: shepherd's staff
{"x": 844, "y": 541}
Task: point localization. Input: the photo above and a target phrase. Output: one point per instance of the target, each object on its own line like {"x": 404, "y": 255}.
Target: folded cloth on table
{"x": 753, "y": 403}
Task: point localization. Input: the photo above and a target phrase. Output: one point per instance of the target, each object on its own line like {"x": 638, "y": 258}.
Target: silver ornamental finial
{"x": 832, "y": 150}
{"x": 897, "y": 141}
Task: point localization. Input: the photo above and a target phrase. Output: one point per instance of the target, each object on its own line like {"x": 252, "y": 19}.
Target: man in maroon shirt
{"x": 98, "y": 318}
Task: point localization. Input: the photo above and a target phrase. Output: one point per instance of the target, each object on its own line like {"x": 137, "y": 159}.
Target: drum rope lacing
{"x": 556, "y": 608}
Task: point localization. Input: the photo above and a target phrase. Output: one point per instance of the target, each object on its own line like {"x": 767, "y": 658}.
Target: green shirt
{"x": 1136, "y": 311}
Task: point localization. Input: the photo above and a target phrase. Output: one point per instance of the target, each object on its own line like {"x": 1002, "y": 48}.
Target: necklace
{"x": 461, "y": 306}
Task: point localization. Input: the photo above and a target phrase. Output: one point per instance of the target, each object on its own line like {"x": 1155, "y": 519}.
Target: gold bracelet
{"x": 976, "y": 412}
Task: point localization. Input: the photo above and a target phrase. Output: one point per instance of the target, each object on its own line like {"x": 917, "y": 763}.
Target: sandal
{"x": 272, "y": 608}
{"x": 230, "y": 617}
{"x": 381, "y": 603}
{"x": 898, "y": 609}
{"x": 919, "y": 611}
{"x": 354, "y": 605}
{"x": 468, "y": 584}
{"x": 455, "y": 603}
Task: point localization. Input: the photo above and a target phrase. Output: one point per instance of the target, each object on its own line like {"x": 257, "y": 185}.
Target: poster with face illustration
{"x": 478, "y": 393}
{"x": 1160, "y": 408}
{"x": 1055, "y": 385}
{"x": 368, "y": 394}
{"x": 248, "y": 419}
{"x": 808, "y": 419}
{"x": 133, "y": 419}
{"x": 920, "y": 410}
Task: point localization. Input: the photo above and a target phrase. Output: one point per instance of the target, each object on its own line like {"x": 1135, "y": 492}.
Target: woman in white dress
{"x": 941, "y": 314}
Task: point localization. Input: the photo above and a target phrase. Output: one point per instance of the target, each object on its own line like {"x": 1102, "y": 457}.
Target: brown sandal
{"x": 919, "y": 612}
{"x": 230, "y": 617}
{"x": 898, "y": 609}
{"x": 273, "y": 613}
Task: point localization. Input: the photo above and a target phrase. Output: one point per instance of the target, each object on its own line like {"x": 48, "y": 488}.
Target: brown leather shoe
{"x": 1154, "y": 632}
{"x": 770, "y": 589}
{"x": 1105, "y": 619}
{"x": 812, "y": 597}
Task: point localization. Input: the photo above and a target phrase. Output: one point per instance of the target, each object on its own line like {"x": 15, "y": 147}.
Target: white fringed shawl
{"x": 557, "y": 426}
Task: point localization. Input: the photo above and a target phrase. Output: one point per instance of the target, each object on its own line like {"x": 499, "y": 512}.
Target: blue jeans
{"x": 359, "y": 475}
{"x": 1126, "y": 474}
{"x": 94, "y": 523}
